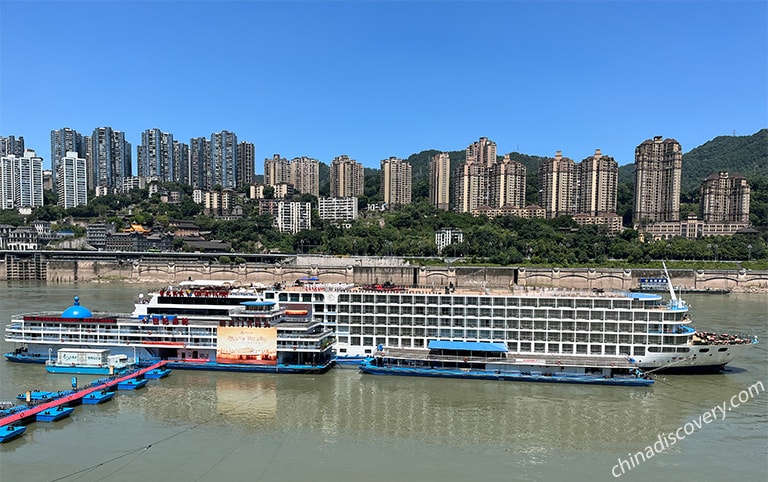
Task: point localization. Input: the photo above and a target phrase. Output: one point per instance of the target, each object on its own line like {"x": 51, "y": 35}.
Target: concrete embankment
{"x": 362, "y": 270}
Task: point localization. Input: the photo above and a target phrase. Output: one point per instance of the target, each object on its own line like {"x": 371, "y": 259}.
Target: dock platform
{"x": 73, "y": 397}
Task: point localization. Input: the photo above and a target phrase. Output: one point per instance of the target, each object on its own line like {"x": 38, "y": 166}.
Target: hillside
{"x": 747, "y": 155}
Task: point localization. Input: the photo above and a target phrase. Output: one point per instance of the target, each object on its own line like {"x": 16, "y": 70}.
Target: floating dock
{"x": 72, "y": 397}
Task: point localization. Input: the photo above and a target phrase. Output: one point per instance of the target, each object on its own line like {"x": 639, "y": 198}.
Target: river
{"x": 346, "y": 426}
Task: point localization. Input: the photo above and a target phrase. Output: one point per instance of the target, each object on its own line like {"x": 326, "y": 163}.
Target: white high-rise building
{"x": 73, "y": 181}
{"x": 21, "y": 181}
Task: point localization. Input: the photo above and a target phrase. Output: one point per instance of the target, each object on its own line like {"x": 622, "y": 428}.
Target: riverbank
{"x": 170, "y": 269}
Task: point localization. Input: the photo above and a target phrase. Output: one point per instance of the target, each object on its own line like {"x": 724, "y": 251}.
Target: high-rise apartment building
{"x": 108, "y": 160}
{"x": 337, "y": 209}
{"x": 558, "y": 181}
{"x": 293, "y": 217}
{"x": 246, "y": 163}
{"x": 276, "y": 170}
{"x": 21, "y": 180}
{"x": 440, "y": 181}
{"x": 180, "y": 162}
{"x": 346, "y": 177}
{"x": 507, "y": 183}
{"x": 12, "y": 145}
{"x": 63, "y": 141}
{"x": 199, "y": 162}
{"x": 155, "y": 155}
{"x": 725, "y": 199}
{"x": 482, "y": 152}
{"x": 73, "y": 181}
{"x": 473, "y": 180}
{"x": 223, "y": 160}
{"x": 305, "y": 175}
{"x": 598, "y": 185}
{"x": 470, "y": 187}
{"x": 658, "y": 167}
{"x": 395, "y": 182}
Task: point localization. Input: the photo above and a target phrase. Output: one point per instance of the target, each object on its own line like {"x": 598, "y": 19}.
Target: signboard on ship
{"x": 246, "y": 345}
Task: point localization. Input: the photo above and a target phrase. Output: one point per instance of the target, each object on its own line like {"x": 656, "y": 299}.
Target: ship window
{"x": 610, "y": 350}
{"x": 525, "y": 347}
{"x": 624, "y": 350}
{"x": 567, "y": 348}
{"x": 683, "y": 349}
{"x": 581, "y": 349}
{"x": 552, "y": 348}
{"x": 703, "y": 350}
{"x": 596, "y": 349}
{"x": 722, "y": 349}
{"x": 602, "y": 303}
{"x": 538, "y": 347}
{"x": 547, "y": 302}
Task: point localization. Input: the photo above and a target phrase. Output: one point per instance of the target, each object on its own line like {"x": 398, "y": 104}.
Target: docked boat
{"x": 10, "y": 432}
{"x": 157, "y": 373}
{"x": 88, "y": 361}
{"x": 132, "y": 383}
{"x": 38, "y": 395}
{"x": 222, "y": 326}
{"x": 98, "y": 397}
{"x": 492, "y": 361}
{"x": 54, "y": 414}
{"x": 233, "y": 330}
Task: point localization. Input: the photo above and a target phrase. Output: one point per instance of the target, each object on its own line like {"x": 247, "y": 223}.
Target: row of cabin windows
{"x": 522, "y": 313}
{"x": 521, "y": 347}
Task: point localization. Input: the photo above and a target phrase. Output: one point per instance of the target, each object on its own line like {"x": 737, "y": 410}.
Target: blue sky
{"x": 378, "y": 79}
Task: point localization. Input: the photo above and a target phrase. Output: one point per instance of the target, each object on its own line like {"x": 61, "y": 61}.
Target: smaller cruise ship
{"x": 230, "y": 334}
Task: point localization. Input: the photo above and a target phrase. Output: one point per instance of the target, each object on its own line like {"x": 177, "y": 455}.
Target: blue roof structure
{"x": 644, "y": 296}
{"x": 77, "y": 311}
{"x": 258, "y": 303}
{"x": 467, "y": 346}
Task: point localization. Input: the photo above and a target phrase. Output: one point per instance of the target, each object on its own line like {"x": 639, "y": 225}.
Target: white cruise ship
{"x": 540, "y": 326}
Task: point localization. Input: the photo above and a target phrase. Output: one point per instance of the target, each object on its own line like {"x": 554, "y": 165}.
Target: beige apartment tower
{"x": 725, "y": 199}
{"x": 598, "y": 184}
{"x": 276, "y": 170}
{"x": 558, "y": 181}
{"x": 440, "y": 181}
{"x": 507, "y": 184}
{"x": 658, "y": 167}
{"x": 346, "y": 177}
{"x": 305, "y": 175}
{"x": 395, "y": 182}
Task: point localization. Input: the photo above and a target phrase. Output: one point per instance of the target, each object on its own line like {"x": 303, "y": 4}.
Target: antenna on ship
{"x": 669, "y": 282}
{"x": 673, "y": 297}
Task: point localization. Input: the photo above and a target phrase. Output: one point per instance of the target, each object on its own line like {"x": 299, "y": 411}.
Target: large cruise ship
{"x": 191, "y": 323}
